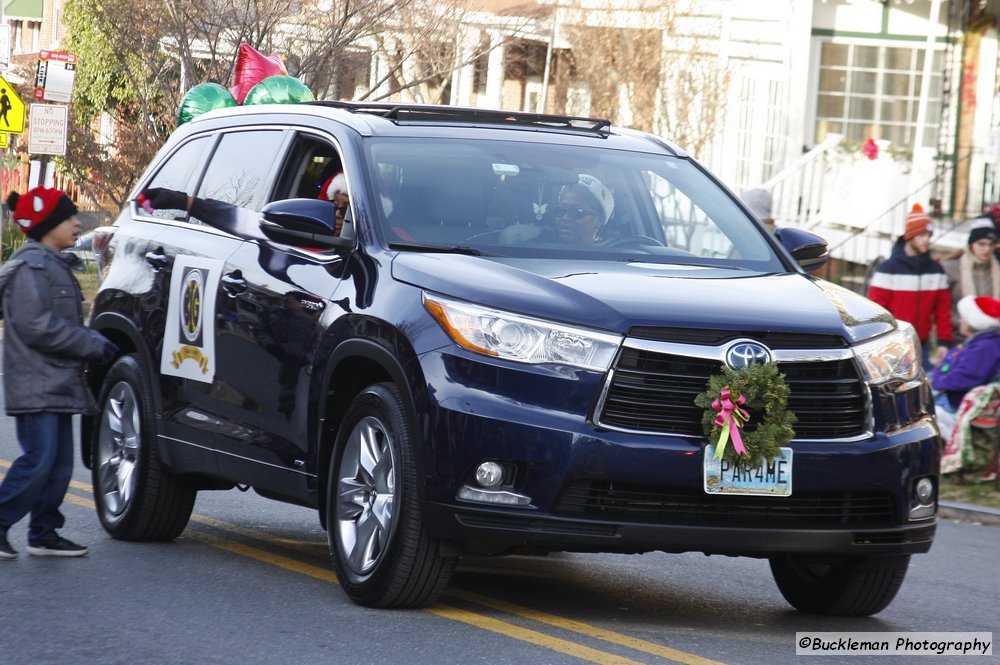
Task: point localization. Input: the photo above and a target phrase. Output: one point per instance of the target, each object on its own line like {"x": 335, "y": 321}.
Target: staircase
{"x": 796, "y": 190}
{"x": 859, "y": 207}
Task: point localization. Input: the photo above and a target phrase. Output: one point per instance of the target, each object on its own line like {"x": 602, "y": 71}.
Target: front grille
{"x": 641, "y": 503}
{"x": 654, "y": 392}
{"x": 714, "y": 337}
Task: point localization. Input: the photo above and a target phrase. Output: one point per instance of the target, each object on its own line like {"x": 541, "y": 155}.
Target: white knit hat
{"x": 980, "y": 312}
{"x": 758, "y": 200}
{"x": 599, "y": 191}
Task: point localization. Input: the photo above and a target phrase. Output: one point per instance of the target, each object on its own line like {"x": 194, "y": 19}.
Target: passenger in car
{"x": 335, "y": 191}
{"x": 583, "y": 208}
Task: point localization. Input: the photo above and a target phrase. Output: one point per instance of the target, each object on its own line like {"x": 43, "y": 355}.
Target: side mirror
{"x": 808, "y": 249}
{"x": 304, "y": 223}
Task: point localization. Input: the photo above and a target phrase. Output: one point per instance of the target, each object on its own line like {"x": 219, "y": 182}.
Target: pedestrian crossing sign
{"x": 11, "y": 109}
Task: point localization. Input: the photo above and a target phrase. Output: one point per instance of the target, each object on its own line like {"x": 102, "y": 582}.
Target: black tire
{"x": 380, "y": 551}
{"x": 853, "y": 587}
{"x": 135, "y": 496}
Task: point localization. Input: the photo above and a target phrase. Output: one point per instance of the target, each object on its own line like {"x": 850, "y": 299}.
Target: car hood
{"x": 615, "y": 296}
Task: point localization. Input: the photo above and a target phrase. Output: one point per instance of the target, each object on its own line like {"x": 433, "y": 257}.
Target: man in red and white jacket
{"x": 914, "y": 287}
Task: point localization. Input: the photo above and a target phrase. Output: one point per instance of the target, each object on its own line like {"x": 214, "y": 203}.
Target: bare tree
{"x": 651, "y": 65}
{"x": 137, "y": 58}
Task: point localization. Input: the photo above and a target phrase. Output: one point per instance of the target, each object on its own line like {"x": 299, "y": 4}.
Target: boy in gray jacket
{"x": 45, "y": 347}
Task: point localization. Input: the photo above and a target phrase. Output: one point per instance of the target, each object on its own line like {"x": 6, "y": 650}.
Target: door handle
{"x": 158, "y": 259}
{"x": 233, "y": 283}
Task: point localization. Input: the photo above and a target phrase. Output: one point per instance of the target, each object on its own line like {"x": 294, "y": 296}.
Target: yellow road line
{"x": 294, "y": 565}
{"x": 308, "y": 548}
{"x": 471, "y": 618}
{"x": 583, "y": 628}
{"x": 527, "y": 635}
{"x": 445, "y": 611}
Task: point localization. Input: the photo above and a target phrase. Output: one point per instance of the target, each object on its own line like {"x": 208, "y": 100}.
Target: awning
{"x": 23, "y": 10}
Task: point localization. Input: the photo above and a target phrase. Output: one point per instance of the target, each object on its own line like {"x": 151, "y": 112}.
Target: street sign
{"x": 4, "y": 139}
{"x": 54, "y": 78}
{"x": 47, "y": 129}
{"x": 4, "y": 47}
{"x": 11, "y": 109}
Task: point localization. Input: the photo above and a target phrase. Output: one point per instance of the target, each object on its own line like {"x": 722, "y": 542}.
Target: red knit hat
{"x": 917, "y": 223}
{"x": 40, "y": 210}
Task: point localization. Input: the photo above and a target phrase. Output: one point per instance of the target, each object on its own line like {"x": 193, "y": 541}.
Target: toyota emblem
{"x": 743, "y": 354}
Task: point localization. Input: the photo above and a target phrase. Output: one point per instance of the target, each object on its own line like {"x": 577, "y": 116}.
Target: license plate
{"x": 772, "y": 478}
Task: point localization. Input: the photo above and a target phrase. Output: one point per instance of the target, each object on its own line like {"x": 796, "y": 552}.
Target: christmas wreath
{"x": 747, "y": 409}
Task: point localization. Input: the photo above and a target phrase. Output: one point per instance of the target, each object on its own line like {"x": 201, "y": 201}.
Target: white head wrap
{"x": 599, "y": 191}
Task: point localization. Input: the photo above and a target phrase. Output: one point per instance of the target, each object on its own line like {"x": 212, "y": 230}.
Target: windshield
{"x": 507, "y": 198}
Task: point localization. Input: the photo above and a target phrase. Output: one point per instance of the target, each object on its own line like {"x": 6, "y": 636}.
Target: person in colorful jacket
{"x": 976, "y": 361}
{"x": 914, "y": 287}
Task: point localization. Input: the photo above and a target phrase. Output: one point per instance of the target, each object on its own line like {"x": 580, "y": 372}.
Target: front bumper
{"x": 499, "y": 531}
{"x": 597, "y": 490}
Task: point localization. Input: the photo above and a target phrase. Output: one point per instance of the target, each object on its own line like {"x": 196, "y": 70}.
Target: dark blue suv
{"x": 494, "y": 348}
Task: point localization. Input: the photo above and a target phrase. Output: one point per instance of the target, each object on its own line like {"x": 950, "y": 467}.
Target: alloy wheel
{"x": 366, "y": 496}
{"x": 118, "y": 448}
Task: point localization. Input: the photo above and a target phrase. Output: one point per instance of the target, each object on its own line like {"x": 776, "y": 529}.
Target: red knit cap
{"x": 917, "y": 223}
{"x": 40, "y": 210}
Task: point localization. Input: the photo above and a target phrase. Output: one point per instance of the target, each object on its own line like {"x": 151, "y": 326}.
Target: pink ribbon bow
{"x": 730, "y": 419}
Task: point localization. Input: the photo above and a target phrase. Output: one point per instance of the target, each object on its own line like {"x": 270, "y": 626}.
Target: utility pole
{"x": 548, "y": 60}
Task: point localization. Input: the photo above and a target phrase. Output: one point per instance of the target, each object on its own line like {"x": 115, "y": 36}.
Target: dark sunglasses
{"x": 575, "y": 214}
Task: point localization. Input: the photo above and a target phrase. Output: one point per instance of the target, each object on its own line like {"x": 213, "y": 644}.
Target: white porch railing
{"x": 796, "y": 191}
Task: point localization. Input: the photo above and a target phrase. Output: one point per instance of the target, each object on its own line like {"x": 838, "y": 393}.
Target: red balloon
{"x": 251, "y": 68}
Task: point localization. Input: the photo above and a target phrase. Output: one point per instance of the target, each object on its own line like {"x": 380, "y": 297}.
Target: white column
{"x": 495, "y": 72}
{"x": 463, "y": 75}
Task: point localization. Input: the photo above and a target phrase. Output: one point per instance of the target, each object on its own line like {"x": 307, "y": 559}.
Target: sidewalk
{"x": 966, "y": 512}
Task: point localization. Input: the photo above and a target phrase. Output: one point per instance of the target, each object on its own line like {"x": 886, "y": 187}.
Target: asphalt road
{"x": 249, "y": 582}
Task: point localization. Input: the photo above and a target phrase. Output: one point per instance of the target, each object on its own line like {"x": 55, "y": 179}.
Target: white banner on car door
{"x": 189, "y": 333}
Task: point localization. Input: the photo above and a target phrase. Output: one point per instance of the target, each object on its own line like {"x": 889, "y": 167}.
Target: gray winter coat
{"x": 45, "y": 344}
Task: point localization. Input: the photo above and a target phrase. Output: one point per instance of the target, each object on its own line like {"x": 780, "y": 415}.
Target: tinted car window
{"x": 240, "y": 166}
{"x": 180, "y": 172}
{"x": 503, "y": 198}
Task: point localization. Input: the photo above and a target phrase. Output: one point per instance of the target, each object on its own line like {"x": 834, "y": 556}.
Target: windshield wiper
{"x": 430, "y": 247}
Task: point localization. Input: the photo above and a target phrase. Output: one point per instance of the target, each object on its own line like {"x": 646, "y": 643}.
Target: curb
{"x": 965, "y": 512}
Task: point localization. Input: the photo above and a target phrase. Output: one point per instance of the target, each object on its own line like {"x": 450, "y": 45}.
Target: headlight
{"x": 522, "y": 339}
{"x": 895, "y": 356}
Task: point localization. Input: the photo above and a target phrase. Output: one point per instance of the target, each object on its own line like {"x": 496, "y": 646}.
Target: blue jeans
{"x": 38, "y": 479}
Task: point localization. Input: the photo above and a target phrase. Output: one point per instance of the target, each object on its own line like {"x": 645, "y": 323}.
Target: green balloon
{"x": 202, "y": 98}
{"x": 278, "y": 90}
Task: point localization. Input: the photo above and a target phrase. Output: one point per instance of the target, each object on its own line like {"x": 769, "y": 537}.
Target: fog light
{"x": 925, "y": 490}
{"x": 499, "y": 497}
{"x": 922, "y": 504}
{"x": 489, "y": 474}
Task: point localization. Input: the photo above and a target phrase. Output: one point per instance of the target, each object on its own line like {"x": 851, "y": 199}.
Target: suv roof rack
{"x": 404, "y": 113}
